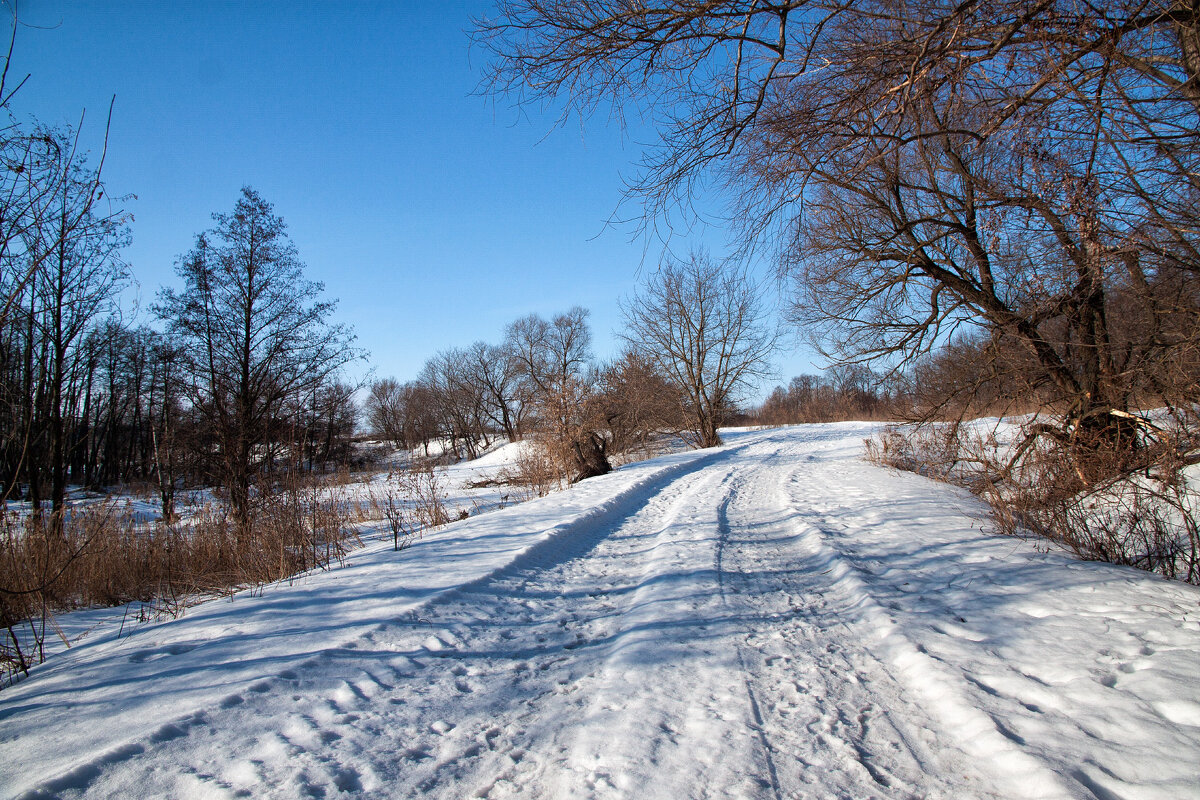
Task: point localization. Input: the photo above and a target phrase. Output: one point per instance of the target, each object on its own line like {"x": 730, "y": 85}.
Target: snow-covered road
{"x": 772, "y": 619}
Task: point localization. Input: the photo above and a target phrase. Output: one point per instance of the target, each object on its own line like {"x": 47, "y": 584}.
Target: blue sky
{"x": 433, "y": 214}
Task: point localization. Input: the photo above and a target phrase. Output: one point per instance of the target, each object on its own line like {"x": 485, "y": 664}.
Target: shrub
{"x": 1133, "y": 506}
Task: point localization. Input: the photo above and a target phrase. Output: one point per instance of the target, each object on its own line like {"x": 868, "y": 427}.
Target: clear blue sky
{"x": 434, "y": 215}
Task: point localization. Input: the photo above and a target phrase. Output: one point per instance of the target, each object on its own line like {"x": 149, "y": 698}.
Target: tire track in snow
{"x": 580, "y": 643}
{"x": 723, "y": 531}
{"x": 963, "y": 726}
{"x": 659, "y": 700}
{"x": 607, "y": 720}
{"x": 848, "y": 727}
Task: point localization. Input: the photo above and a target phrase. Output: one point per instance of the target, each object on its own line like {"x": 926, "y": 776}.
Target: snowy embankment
{"x": 771, "y": 619}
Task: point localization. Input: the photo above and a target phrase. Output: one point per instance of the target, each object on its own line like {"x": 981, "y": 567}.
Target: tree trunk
{"x": 708, "y": 424}
{"x": 591, "y": 458}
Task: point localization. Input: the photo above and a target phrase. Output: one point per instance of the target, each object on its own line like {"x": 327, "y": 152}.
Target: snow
{"x": 774, "y": 618}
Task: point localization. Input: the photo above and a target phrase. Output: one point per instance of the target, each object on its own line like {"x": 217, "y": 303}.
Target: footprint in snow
{"x": 434, "y": 645}
{"x": 167, "y": 733}
{"x": 346, "y": 779}
{"x": 419, "y": 753}
{"x": 143, "y": 656}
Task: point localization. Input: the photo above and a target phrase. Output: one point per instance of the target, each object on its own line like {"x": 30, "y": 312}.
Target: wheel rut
{"x": 833, "y": 707}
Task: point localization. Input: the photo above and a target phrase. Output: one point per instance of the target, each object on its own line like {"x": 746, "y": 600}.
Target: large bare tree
{"x": 495, "y": 371}
{"x": 553, "y": 359}
{"x": 702, "y": 323}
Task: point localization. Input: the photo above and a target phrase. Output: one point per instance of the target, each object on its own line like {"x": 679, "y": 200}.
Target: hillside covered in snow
{"x": 773, "y": 618}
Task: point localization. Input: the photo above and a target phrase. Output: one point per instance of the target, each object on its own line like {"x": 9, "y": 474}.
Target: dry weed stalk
{"x": 102, "y": 555}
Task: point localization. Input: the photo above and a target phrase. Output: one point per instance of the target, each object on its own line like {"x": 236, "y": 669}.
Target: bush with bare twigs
{"x": 413, "y": 501}
{"x": 534, "y": 471}
{"x": 1132, "y": 506}
{"x": 422, "y": 488}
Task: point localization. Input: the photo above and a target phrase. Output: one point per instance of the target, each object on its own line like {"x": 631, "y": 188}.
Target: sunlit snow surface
{"x": 771, "y": 619}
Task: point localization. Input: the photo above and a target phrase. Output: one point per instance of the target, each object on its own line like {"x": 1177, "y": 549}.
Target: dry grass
{"x": 102, "y": 556}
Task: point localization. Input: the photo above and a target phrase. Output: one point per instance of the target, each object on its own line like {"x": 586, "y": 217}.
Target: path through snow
{"x": 772, "y": 619}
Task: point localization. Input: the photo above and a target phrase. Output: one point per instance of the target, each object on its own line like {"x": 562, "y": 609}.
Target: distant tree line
{"x": 242, "y": 380}
{"x": 696, "y": 335}
{"x": 842, "y": 393}
{"x": 540, "y": 381}
{"x": 467, "y": 397}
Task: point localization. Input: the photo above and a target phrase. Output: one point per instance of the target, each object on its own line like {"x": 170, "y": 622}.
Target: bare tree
{"x": 496, "y": 371}
{"x": 702, "y": 323}
{"x": 638, "y": 403}
{"x": 321, "y": 419}
{"x": 385, "y": 411}
{"x": 165, "y": 418}
{"x": 256, "y": 334}
{"x": 460, "y": 400}
{"x": 553, "y": 359}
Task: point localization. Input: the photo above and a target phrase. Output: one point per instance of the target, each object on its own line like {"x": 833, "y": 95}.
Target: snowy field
{"x": 773, "y": 619}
